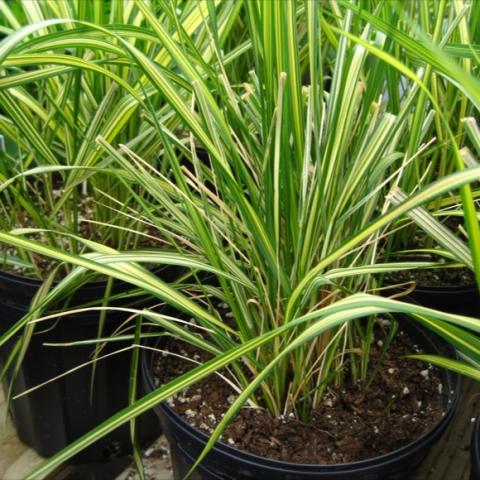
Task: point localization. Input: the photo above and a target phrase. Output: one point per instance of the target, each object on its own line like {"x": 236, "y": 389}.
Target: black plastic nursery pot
{"x": 58, "y": 413}
{"x": 227, "y": 463}
{"x": 475, "y": 451}
{"x": 464, "y": 300}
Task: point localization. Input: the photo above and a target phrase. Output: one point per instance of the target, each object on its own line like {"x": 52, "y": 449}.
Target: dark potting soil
{"x": 86, "y": 229}
{"x": 432, "y": 277}
{"x": 404, "y": 401}
{"x": 437, "y": 277}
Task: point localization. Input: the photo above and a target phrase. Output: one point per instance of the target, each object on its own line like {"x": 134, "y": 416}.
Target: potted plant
{"x": 57, "y": 95}
{"x": 276, "y": 186}
{"x": 284, "y": 214}
{"x": 450, "y": 285}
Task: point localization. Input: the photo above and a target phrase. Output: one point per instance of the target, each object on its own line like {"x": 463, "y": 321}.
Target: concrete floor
{"x": 16, "y": 460}
{"x": 449, "y": 460}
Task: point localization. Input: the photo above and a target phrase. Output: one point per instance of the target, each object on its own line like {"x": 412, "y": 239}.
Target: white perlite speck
{"x": 211, "y": 417}
{"x": 149, "y": 452}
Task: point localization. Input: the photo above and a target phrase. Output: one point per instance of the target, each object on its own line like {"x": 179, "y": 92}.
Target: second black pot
{"x": 50, "y": 418}
{"x": 227, "y": 463}
{"x": 461, "y": 300}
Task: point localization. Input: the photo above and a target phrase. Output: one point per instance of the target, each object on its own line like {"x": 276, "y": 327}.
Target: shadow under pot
{"x": 225, "y": 462}
{"x": 53, "y": 416}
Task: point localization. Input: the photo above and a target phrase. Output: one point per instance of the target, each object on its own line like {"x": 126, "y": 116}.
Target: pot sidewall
{"x": 50, "y": 418}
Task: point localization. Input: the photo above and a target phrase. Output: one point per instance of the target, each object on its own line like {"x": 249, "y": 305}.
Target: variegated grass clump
{"x": 287, "y": 196}
{"x": 62, "y": 84}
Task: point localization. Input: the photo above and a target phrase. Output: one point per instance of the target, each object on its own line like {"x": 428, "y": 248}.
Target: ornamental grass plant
{"x": 446, "y": 114}
{"x": 60, "y": 88}
{"x": 283, "y": 184}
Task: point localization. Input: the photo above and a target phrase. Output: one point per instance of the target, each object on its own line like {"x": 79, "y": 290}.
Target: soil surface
{"x": 403, "y": 402}
{"x": 432, "y": 277}
{"x": 86, "y": 229}
{"x": 436, "y": 277}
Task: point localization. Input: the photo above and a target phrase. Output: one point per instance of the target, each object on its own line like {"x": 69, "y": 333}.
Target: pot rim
{"x": 439, "y": 289}
{"x": 24, "y": 280}
{"x": 32, "y": 282}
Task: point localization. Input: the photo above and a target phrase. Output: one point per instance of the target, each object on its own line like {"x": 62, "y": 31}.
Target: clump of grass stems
{"x": 286, "y": 203}
{"x": 58, "y": 91}
{"x": 291, "y": 174}
{"x": 451, "y": 27}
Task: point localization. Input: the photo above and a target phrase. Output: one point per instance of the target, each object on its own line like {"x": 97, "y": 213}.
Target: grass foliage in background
{"x": 63, "y": 84}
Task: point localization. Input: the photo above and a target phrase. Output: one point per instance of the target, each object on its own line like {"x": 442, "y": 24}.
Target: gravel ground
{"x": 156, "y": 461}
